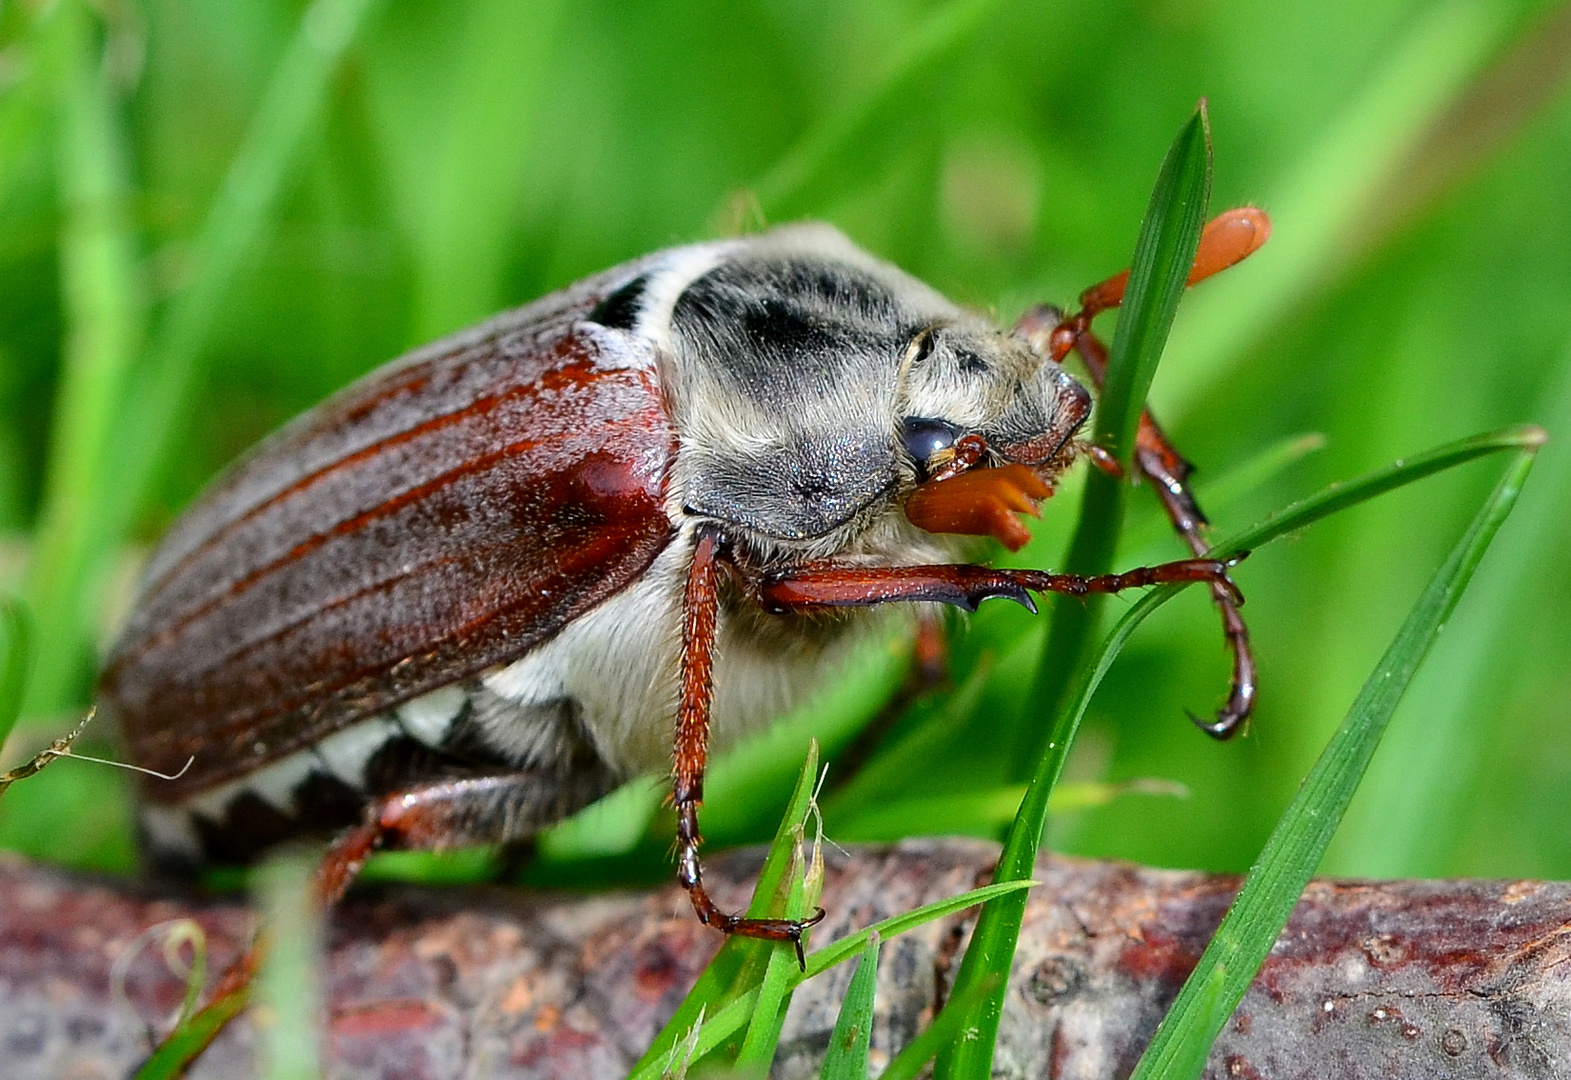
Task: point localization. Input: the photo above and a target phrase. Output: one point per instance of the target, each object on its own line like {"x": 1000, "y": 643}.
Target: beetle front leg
{"x": 1159, "y": 460}
{"x": 700, "y": 610}
{"x": 1227, "y": 239}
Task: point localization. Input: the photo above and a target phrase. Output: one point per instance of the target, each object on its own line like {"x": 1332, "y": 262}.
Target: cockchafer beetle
{"x": 475, "y": 590}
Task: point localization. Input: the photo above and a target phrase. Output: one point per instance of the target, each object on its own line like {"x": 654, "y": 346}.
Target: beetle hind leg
{"x": 486, "y": 809}
{"x": 467, "y": 812}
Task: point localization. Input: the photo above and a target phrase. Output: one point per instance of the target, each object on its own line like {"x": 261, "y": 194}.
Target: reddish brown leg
{"x": 965, "y": 586}
{"x": 455, "y": 813}
{"x": 1227, "y": 239}
{"x": 469, "y": 812}
{"x": 1159, "y": 460}
{"x": 931, "y": 652}
{"x": 700, "y": 607}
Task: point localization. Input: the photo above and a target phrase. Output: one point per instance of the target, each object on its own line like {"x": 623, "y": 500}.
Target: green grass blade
{"x": 774, "y": 990}
{"x": 1291, "y": 854}
{"x": 289, "y": 982}
{"x": 783, "y": 849}
{"x": 1398, "y": 474}
{"x": 1212, "y": 1005}
{"x": 1159, "y": 272}
{"x": 722, "y": 1024}
{"x": 15, "y": 661}
{"x": 175, "y": 1055}
{"x": 741, "y": 962}
{"x": 1158, "y": 275}
{"x": 235, "y": 224}
{"x": 993, "y": 941}
{"x": 839, "y": 952}
{"x": 846, "y": 1058}
{"x": 102, "y": 300}
{"x": 1420, "y": 790}
{"x": 712, "y": 1032}
{"x": 183, "y": 932}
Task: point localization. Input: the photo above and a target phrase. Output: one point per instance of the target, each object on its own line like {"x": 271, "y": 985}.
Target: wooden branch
{"x": 1371, "y": 979}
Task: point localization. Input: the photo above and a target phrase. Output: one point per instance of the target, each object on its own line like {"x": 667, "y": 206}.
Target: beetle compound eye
{"x": 925, "y": 439}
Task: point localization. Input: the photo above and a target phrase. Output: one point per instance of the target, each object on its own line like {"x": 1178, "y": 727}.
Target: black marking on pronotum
{"x": 787, "y": 329}
{"x": 620, "y": 310}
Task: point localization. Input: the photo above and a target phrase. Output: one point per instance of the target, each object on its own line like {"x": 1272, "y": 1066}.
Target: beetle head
{"x": 970, "y": 395}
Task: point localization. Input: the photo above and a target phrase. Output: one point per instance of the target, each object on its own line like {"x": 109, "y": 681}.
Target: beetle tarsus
{"x": 1234, "y": 714}
{"x": 791, "y": 930}
{"x": 1103, "y": 459}
{"x": 1183, "y": 570}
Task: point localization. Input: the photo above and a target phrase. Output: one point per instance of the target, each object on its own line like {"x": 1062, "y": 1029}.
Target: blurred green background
{"x": 215, "y": 212}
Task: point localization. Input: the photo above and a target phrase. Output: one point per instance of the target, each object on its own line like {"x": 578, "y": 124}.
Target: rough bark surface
{"x": 1371, "y": 979}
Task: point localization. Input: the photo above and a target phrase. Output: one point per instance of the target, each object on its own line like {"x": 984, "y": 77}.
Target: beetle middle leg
{"x": 700, "y": 611}
{"x": 965, "y": 586}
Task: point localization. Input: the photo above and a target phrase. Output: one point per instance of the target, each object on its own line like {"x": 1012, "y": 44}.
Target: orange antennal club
{"x": 982, "y": 502}
{"x": 1229, "y": 238}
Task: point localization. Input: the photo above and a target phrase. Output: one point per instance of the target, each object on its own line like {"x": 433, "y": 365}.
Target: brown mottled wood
{"x": 1393, "y": 979}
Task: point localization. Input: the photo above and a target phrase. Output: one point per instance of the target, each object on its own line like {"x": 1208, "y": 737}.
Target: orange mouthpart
{"x": 981, "y": 502}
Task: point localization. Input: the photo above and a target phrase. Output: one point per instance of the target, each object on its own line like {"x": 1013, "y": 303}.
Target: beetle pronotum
{"x": 475, "y": 590}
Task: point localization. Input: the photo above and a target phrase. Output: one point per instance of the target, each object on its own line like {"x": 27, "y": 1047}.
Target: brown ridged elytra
{"x": 475, "y": 590}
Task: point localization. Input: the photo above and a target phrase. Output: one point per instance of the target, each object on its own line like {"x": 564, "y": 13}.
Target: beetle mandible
{"x": 477, "y": 589}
